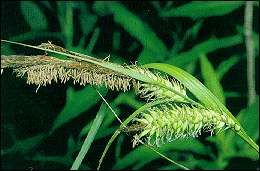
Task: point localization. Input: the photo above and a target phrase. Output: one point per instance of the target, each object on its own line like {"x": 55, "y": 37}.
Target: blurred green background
{"x": 45, "y": 130}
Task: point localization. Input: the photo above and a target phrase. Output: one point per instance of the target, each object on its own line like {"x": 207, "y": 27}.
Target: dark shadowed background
{"x": 45, "y": 130}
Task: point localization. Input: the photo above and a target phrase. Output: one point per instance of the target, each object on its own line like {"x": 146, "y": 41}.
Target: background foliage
{"x": 46, "y": 130}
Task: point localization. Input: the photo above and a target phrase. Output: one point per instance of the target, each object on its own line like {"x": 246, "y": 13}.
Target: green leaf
{"x": 116, "y": 40}
{"x": 232, "y": 94}
{"x": 256, "y": 3}
{"x": 24, "y": 146}
{"x": 192, "y": 32}
{"x": 87, "y": 19}
{"x": 87, "y": 23}
{"x": 118, "y": 148}
{"x": 71, "y": 145}
{"x": 256, "y": 43}
{"x": 138, "y": 29}
{"x": 46, "y": 4}
{"x": 211, "y": 78}
{"x": 203, "y": 9}
{"x": 226, "y": 65}
{"x": 33, "y": 15}
{"x": 100, "y": 7}
{"x": 6, "y": 49}
{"x": 128, "y": 98}
{"x": 93, "y": 40}
{"x": 146, "y": 56}
{"x": 35, "y": 34}
{"x": 65, "y": 16}
{"x": 249, "y": 119}
{"x": 142, "y": 155}
{"x": 90, "y": 138}
{"x": 208, "y": 46}
{"x": 77, "y": 102}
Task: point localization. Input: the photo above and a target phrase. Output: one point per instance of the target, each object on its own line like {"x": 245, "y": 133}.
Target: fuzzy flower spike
{"x": 169, "y": 122}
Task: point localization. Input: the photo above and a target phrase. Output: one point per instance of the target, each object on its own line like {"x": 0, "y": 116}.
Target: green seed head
{"x": 169, "y": 122}
{"x": 152, "y": 91}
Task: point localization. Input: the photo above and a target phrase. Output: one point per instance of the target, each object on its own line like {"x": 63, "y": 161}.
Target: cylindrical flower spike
{"x": 169, "y": 122}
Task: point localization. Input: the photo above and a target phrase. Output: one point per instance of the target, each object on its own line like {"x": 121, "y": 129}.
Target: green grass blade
{"x": 93, "y": 40}
{"x": 141, "y": 155}
{"x": 65, "y": 16}
{"x": 226, "y": 65}
{"x": 33, "y": 34}
{"x": 118, "y": 148}
{"x": 33, "y": 15}
{"x": 137, "y": 28}
{"x": 208, "y": 46}
{"x": 211, "y": 79}
{"x": 90, "y": 138}
{"x": 87, "y": 20}
{"x": 24, "y": 146}
{"x": 202, "y": 9}
{"x": 116, "y": 40}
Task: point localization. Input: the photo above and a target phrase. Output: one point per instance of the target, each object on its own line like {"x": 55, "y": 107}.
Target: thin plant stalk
{"x": 248, "y": 27}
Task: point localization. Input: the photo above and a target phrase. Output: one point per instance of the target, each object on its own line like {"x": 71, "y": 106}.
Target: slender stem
{"x": 248, "y": 24}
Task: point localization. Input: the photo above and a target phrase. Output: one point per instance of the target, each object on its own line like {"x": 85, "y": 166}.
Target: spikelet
{"x": 169, "y": 122}
{"x": 42, "y": 70}
{"x": 153, "y": 92}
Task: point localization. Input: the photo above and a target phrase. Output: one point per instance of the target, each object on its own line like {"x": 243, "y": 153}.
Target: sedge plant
{"x": 169, "y": 113}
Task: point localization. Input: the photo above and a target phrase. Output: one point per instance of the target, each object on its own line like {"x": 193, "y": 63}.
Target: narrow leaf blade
{"x": 211, "y": 78}
{"x": 33, "y": 15}
{"x": 90, "y": 138}
{"x": 202, "y": 9}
